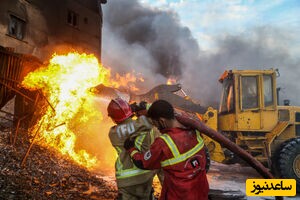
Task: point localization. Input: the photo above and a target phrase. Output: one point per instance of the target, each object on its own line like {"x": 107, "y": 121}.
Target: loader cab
{"x": 248, "y": 100}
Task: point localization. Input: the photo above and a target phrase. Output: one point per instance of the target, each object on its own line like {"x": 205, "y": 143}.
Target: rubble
{"x": 46, "y": 175}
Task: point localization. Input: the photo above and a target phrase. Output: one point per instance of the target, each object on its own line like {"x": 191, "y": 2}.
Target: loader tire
{"x": 207, "y": 166}
{"x": 289, "y": 161}
{"x": 275, "y": 158}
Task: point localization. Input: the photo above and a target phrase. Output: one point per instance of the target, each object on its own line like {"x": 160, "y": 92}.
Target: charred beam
{"x": 17, "y": 91}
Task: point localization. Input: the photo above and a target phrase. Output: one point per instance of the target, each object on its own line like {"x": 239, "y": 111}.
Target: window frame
{"x": 227, "y": 105}
{"x": 20, "y": 26}
{"x": 272, "y": 92}
{"x": 73, "y": 15}
{"x": 241, "y": 92}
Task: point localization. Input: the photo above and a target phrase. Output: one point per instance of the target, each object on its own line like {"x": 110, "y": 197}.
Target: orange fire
{"x": 66, "y": 83}
{"x": 128, "y": 80}
{"x": 172, "y": 80}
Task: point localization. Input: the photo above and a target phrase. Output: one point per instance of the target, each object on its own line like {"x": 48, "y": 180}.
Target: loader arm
{"x": 167, "y": 92}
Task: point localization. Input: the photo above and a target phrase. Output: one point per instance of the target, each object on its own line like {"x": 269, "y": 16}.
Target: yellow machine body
{"x": 249, "y": 114}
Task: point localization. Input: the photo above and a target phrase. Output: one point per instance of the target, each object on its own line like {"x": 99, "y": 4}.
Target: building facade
{"x": 43, "y": 27}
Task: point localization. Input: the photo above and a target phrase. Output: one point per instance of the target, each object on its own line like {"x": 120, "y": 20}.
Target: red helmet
{"x": 119, "y": 110}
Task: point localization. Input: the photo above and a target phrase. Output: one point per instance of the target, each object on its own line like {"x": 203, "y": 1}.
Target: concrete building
{"x": 32, "y": 30}
{"x": 42, "y": 27}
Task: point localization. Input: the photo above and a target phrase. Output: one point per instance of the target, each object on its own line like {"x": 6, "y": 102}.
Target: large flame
{"x": 66, "y": 84}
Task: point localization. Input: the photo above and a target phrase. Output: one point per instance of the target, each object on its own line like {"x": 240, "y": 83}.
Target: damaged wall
{"x": 40, "y": 28}
{"x": 43, "y": 27}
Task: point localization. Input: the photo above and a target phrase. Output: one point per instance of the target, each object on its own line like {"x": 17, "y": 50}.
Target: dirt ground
{"x": 231, "y": 179}
{"x": 48, "y": 175}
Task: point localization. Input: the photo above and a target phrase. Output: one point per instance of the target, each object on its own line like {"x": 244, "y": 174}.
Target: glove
{"x": 134, "y": 107}
{"x": 129, "y": 143}
{"x": 138, "y": 107}
{"x": 143, "y": 105}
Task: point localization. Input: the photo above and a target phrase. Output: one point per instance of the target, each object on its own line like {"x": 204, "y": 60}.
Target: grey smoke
{"x": 154, "y": 43}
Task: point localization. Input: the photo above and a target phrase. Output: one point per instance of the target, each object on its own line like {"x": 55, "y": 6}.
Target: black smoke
{"x": 155, "y": 43}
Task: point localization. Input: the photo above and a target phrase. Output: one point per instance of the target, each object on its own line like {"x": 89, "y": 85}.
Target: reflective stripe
{"x": 130, "y": 172}
{"x": 119, "y": 165}
{"x": 118, "y": 149}
{"x": 139, "y": 141}
{"x": 152, "y": 136}
{"x": 133, "y": 152}
{"x": 134, "y": 171}
{"x": 180, "y": 157}
{"x": 172, "y": 146}
{"x": 199, "y": 138}
{"x": 148, "y": 105}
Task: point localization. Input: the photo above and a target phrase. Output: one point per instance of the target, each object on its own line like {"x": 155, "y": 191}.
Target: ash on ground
{"x": 46, "y": 175}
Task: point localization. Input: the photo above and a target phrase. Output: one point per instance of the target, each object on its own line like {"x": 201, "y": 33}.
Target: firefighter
{"x": 133, "y": 183}
{"x": 179, "y": 151}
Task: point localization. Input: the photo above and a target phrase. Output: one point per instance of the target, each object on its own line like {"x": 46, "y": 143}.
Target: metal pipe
{"x": 40, "y": 93}
{"x": 17, "y": 128}
{"x": 31, "y": 144}
{"x": 17, "y": 91}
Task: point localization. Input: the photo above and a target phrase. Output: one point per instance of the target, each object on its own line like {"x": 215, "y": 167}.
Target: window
{"x": 72, "y": 18}
{"x": 268, "y": 90}
{"x": 227, "y": 97}
{"x": 284, "y": 115}
{"x": 249, "y": 92}
{"x": 298, "y": 130}
{"x": 297, "y": 116}
{"x": 16, "y": 27}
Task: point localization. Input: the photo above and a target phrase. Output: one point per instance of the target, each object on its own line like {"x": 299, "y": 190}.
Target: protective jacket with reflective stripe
{"x": 127, "y": 174}
{"x": 181, "y": 154}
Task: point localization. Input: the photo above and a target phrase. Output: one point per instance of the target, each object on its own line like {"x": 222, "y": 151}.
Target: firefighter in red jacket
{"x": 179, "y": 151}
{"x": 133, "y": 183}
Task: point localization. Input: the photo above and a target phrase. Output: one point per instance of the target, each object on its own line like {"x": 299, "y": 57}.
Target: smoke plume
{"x": 154, "y": 43}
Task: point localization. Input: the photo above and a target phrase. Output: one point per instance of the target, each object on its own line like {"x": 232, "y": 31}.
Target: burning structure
{"x": 53, "y": 96}
{"x": 40, "y": 28}
{"x": 30, "y": 32}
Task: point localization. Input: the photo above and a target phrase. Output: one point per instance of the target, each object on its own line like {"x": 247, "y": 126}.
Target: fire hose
{"x": 201, "y": 127}
{"x": 191, "y": 122}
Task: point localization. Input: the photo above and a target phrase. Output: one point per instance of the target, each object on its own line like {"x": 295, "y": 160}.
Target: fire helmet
{"x": 119, "y": 110}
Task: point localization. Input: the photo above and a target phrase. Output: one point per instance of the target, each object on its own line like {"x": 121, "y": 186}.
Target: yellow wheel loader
{"x": 249, "y": 115}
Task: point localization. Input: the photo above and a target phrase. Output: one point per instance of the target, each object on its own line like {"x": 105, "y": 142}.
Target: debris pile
{"x": 46, "y": 175}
